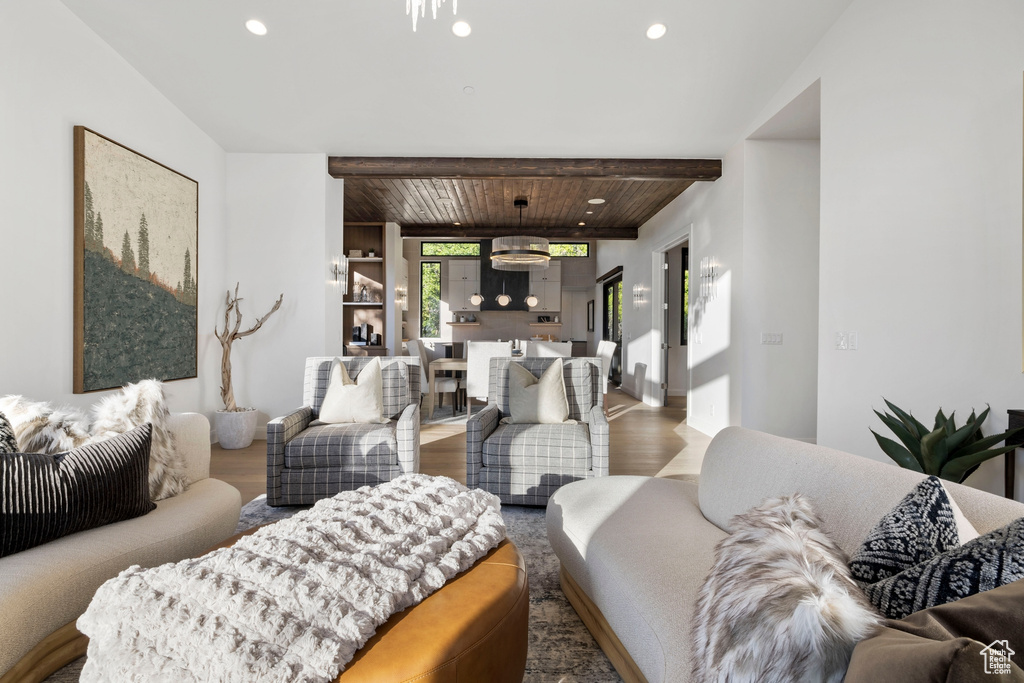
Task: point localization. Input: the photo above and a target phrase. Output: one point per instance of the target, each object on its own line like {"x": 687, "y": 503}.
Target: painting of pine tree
{"x": 136, "y": 256}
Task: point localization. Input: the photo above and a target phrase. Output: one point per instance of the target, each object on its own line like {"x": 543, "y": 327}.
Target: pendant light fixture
{"x": 503, "y": 298}
{"x": 519, "y": 252}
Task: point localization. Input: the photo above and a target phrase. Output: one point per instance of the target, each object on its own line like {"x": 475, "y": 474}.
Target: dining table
{"x": 440, "y": 365}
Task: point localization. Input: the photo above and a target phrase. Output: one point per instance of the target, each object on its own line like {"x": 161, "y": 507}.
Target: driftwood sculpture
{"x": 228, "y": 337}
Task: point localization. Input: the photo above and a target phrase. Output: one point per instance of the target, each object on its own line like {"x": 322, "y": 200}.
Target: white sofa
{"x": 635, "y": 550}
{"x": 43, "y": 590}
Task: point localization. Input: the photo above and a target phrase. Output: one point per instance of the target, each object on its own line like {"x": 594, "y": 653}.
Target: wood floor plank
{"x": 643, "y": 441}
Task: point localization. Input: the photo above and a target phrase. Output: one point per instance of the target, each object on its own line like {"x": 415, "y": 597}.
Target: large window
{"x": 430, "y": 299}
{"x": 449, "y": 248}
{"x": 569, "y": 249}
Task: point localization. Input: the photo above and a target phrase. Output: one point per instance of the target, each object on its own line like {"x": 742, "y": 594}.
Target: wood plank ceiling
{"x": 472, "y": 197}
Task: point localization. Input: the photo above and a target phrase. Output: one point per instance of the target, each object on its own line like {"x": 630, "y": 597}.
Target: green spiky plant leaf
{"x": 945, "y": 450}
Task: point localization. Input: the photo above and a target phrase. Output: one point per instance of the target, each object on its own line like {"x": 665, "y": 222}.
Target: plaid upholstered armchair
{"x": 523, "y": 464}
{"x": 308, "y": 460}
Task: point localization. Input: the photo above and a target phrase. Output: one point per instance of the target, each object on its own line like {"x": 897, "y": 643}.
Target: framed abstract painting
{"x": 136, "y": 267}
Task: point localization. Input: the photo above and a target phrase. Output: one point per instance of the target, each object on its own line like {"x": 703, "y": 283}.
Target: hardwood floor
{"x": 644, "y": 441}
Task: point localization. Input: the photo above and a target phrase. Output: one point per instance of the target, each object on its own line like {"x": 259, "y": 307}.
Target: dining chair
{"x": 443, "y": 385}
{"x": 478, "y": 359}
{"x": 548, "y": 349}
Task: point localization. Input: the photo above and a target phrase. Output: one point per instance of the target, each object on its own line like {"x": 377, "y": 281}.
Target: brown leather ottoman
{"x": 472, "y": 629}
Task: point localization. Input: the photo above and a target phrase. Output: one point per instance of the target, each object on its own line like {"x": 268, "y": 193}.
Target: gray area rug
{"x": 561, "y": 650}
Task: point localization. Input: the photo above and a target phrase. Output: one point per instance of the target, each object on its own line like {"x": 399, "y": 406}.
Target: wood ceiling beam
{"x": 474, "y": 167}
{"x": 567, "y": 233}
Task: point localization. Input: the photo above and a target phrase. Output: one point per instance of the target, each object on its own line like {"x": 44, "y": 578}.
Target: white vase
{"x": 235, "y": 429}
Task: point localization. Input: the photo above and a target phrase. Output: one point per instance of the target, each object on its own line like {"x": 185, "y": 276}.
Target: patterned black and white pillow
{"x": 987, "y": 562}
{"x": 8, "y": 443}
{"x": 924, "y": 524}
{"x": 44, "y": 497}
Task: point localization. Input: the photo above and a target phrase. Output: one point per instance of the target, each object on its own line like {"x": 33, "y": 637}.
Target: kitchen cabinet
{"x": 463, "y": 282}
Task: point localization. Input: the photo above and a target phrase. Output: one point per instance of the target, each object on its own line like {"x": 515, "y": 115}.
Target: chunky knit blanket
{"x": 295, "y": 600}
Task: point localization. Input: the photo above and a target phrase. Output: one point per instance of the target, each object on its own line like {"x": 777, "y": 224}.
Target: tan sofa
{"x": 635, "y": 550}
{"x": 43, "y": 590}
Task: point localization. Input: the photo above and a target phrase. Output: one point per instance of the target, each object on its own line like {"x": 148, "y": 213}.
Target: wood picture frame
{"x": 136, "y": 265}
{"x": 590, "y": 316}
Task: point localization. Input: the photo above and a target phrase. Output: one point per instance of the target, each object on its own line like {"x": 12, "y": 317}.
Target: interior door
{"x": 613, "y": 323}
{"x": 664, "y": 338}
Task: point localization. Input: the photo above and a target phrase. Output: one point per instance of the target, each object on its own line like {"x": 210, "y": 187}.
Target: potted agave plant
{"x": 235, "y": 426}
{"x": 945, "y": 450}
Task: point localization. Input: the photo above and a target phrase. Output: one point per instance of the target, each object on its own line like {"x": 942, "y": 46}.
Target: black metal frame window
{"x": 430, "y": 299}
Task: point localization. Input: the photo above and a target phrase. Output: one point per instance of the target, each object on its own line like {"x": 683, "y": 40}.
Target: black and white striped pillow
{"x": 44, "y": 497}
{"x": 8, "y": 442}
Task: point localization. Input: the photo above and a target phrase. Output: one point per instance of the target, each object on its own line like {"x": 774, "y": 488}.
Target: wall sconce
{"x": 339, "y": 271}
{"x": 708, "y": 278}
{"x": 638, "y": 295}
{"x": 402, "y": 297}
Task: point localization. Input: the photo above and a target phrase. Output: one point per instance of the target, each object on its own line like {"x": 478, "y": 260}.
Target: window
{"x": 449, "y": 248}
{"x": 430, "y": 299}
{"x": 569, "y": 249}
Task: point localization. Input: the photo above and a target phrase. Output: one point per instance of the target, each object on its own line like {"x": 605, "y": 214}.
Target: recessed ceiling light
{"x": 581, "y": 223}
{"x": 656, "y": 31}
{"x": 423, "y": 213}
{"x": 461, "y": 29}
{"x": 256, "y": 27}
{"x": 457, "y": 223}
{"x": 469, "y": 90}
{"x": 595, "y": 200}
{"x": 589, "y": 212}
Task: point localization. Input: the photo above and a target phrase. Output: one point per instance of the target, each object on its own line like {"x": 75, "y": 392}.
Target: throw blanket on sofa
{"x": 297, "y": 599}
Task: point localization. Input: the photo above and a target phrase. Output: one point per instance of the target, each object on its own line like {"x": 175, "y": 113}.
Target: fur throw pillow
{"x": 779, "y": 603}
{"x": 41, "y": 428}
{"x": 138, "y": 404}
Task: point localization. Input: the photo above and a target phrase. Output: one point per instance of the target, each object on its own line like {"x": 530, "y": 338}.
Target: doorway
{"x": 613, "y": 323}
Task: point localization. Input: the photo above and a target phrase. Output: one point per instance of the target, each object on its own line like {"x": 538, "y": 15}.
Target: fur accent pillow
{"x": 41, "y": 428}
{"x": 533, "y": 400}
{"x": 360, "y": 401}
{"x": 987, "y": 562}
{"x": 779, "y": 603}
{"x": 136, "y": 404}
{"x": 925, "y": 523}
{"x": 8, "y": 442}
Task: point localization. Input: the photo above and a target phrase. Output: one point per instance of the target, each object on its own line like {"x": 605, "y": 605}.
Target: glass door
{"x": 613, "y": 323}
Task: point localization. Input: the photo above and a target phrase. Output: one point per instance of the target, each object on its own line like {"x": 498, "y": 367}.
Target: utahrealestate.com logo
{"x": 997, "y": 657}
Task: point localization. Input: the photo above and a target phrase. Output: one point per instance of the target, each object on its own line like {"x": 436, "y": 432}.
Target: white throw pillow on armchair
{"x": 360, "y": 401}
{"x": 535, "y": 400}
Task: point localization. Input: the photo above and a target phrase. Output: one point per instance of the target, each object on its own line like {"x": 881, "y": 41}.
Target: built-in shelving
{"x": 368, "y": 272}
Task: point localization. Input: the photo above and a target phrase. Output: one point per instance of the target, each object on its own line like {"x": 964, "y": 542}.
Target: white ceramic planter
{"x": 235, "y": 429}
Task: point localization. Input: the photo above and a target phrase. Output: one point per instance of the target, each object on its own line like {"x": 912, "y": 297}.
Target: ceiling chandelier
{"x": 418, "y": 8}
{"x": 519, "y": 252}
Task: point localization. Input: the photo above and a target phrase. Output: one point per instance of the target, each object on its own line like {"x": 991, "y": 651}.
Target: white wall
{"x": 57, "y": 74}
{"x": 780, "y": 272}
{"x": 713, "y": 215}
{"x": 921, "y": 139}
{"x": 278, "y": 236}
